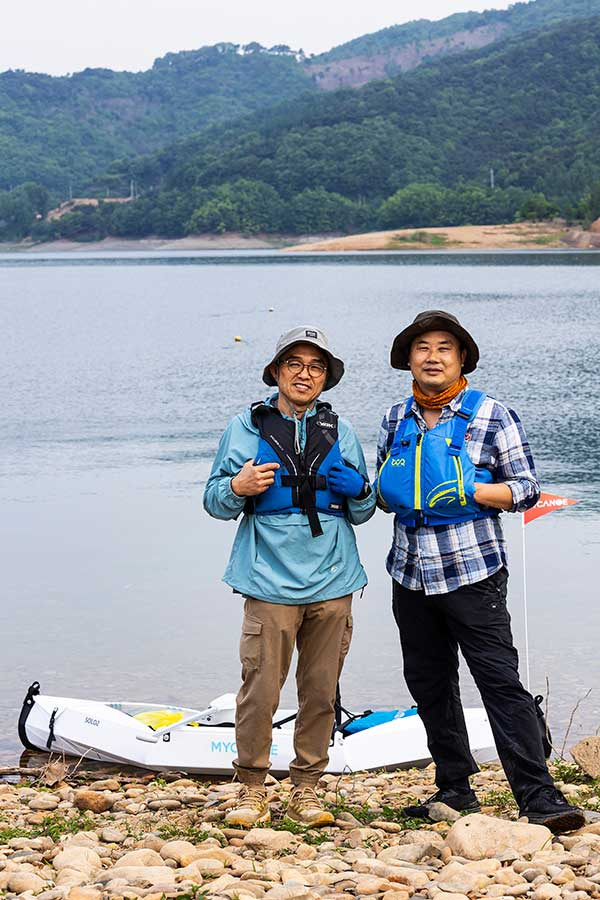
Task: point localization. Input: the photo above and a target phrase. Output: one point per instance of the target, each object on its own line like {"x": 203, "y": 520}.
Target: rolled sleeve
{"x": 515, "y": 466}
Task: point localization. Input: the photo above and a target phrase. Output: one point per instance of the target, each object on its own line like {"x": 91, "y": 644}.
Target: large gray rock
{"x": 441, "y": 812}
{"x": 587, "y": 752}
{"x": 138, "y": 875}
{"x": 478, "y": 837}
{"x": 421, "y": 836}
{"x": 43, "y": 804}
{"x": 140, "y": 858}
{"x": 199, "y": 869}
{"x": 268, "y": 839}
{"x": 177, "y": 850}
{"x": 112, "y": 835}
{"x": 457, "y": 879}
{"x": 20, "y": 882}
{"x": 412, "y": 853}
{"x": 290, "y": 891}
{"x": 81, "y": 859}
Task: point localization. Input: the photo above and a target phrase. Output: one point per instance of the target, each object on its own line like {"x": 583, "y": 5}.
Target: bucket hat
{"x": 307, "y": 334}
{"x": 433, "y": 320}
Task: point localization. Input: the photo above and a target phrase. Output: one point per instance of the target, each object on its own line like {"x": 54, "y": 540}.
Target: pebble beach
{"x": 82, "y": 837}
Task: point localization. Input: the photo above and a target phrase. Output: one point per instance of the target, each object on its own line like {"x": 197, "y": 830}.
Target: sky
{"x": 61, "y": 36}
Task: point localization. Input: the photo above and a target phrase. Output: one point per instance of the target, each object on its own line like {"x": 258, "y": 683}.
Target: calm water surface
{"x": 117, "y": 376}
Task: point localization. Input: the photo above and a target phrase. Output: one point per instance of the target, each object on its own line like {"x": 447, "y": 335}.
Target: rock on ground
{"x": 478, "y": 836}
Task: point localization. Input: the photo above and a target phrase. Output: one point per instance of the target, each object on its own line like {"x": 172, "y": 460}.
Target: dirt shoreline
{"x": 538, "y": 236}
{"x": 520, "y": 236}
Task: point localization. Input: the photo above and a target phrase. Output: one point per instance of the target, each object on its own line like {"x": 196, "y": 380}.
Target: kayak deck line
{"x": 203, "y": 741}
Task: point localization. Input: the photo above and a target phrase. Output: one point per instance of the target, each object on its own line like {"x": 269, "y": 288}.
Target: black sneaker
{"x": 550, "y": 808}
{"x": 460, "y": 801}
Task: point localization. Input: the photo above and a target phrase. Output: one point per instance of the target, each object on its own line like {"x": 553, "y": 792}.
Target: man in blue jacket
{"x": 296, "y": 475}
{"x": 449, "y": 460}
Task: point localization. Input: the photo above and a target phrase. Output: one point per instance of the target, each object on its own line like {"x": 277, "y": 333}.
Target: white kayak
{"x": 166, "y": 737}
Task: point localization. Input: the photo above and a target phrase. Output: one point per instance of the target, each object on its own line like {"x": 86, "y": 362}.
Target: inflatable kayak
{"x": 163, "y": 737}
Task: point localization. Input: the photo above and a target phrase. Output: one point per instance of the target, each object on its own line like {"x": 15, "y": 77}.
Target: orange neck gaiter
{"x": 439, "y": 400}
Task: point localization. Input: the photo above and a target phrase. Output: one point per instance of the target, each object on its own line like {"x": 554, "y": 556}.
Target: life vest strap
{"x": 471, "y": 403}
{"x": 393, "y": 423}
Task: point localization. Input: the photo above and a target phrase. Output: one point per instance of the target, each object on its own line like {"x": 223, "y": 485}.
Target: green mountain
{"x": 528, "y": 108}
{"x": 404, "y": 47}
{"x": 63, "y": 130}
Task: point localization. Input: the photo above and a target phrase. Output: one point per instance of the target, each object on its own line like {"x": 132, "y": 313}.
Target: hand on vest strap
{"x": 345, "y": 480}
{"x": 252, "y": 480}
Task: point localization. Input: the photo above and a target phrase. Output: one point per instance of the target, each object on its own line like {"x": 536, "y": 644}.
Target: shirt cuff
{"x": 522, "y": 492}
{"x": 230, "y": 498}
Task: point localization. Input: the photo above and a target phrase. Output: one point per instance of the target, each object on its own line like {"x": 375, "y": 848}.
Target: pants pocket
{"x": 346, "y": 639}
{"x": 251, "y": 644}
{"x": 492, "y": 591}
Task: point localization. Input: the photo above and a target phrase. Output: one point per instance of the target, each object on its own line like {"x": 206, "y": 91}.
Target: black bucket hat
{"x": 433, "y": 320}
{"x": 307, "y": 334}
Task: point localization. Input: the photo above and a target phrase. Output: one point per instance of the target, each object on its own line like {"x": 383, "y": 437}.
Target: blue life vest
{"x": 428, "y": 478}
{"x": 300, "y": 483}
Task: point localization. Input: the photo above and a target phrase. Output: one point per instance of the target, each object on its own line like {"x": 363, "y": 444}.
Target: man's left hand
{"x": 346, "y": 481}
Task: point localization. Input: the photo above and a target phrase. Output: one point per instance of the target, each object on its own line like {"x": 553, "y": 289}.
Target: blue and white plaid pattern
{"x": 438, "y": 559}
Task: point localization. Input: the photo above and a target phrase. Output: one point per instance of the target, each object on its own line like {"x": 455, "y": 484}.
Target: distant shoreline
{"x": 520, "y": 236}
{"x": 232, "y": 241}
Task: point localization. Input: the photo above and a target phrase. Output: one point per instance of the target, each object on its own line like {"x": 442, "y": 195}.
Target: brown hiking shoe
{"x": 251, "y": 807}
{"x": 306, "y": 808}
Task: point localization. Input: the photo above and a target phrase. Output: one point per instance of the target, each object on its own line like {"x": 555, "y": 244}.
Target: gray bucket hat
{"x": 433, "y": 320}
{"x": 307, "y": 334}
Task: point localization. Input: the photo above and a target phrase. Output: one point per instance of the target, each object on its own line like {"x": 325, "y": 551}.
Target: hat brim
{"x": 402, "y": 342}
{"x": 335, "y": 366}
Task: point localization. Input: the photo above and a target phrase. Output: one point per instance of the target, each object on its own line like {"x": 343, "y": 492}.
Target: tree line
{"x": 251, "y": 207}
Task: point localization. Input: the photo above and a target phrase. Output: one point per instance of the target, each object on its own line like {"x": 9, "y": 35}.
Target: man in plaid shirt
{"x": 449, "y": 567}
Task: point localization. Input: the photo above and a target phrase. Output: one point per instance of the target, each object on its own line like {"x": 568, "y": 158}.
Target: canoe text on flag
{"x": 546, "y": 504}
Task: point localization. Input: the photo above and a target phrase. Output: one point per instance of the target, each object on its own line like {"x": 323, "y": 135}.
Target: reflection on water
{"x": 117, "y": 381}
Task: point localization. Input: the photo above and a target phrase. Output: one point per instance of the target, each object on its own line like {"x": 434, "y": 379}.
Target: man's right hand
{"x": 252, "y": 480}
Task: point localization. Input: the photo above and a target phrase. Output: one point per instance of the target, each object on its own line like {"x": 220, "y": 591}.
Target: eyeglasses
{"x": 295, "y": 366}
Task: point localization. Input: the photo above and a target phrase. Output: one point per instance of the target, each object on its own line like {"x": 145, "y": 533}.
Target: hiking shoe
{"x": 460, "y": 801}
{"x": 550, "y": 808}
{"x": 251, "y": 807}
{"x": 305, "y": 808}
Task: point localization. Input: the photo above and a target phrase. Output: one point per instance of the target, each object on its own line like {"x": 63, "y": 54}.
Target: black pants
{"x": 474, "y": 618}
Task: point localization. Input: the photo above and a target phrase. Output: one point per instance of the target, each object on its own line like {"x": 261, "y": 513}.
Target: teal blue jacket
{"x": 274, "y": 557}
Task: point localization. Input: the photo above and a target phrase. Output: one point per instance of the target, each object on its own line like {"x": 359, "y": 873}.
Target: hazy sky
{"x": 60, "y": 36}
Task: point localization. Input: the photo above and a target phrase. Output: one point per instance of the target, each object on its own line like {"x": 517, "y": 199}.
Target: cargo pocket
{"x": 346, "y": 639}
{"x": 251, "y": 644}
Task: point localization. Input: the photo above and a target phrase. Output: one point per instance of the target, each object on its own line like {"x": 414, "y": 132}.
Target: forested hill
{"x": 61, "y": 130}
{"x": 401, "y": 48}
{"x": 414, "y": 150}
{"x": 529, "y": 108}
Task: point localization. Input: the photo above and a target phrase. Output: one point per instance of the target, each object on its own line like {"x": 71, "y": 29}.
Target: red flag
{"x": 546, "y": 504}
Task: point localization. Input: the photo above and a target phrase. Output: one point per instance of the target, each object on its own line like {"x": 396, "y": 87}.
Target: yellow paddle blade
{"x": 159, "y": 718}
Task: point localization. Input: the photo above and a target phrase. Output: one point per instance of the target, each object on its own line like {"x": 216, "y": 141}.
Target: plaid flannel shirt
{"x": 440, "y": 558}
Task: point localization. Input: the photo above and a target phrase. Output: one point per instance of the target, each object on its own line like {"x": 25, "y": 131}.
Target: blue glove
{"x": 346, "y": 481}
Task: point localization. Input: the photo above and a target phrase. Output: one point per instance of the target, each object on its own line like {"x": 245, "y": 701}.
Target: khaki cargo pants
{"x": 322, "y": 633}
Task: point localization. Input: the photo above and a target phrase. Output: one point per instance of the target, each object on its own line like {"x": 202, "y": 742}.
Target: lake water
{"x": 118, "y": 374}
